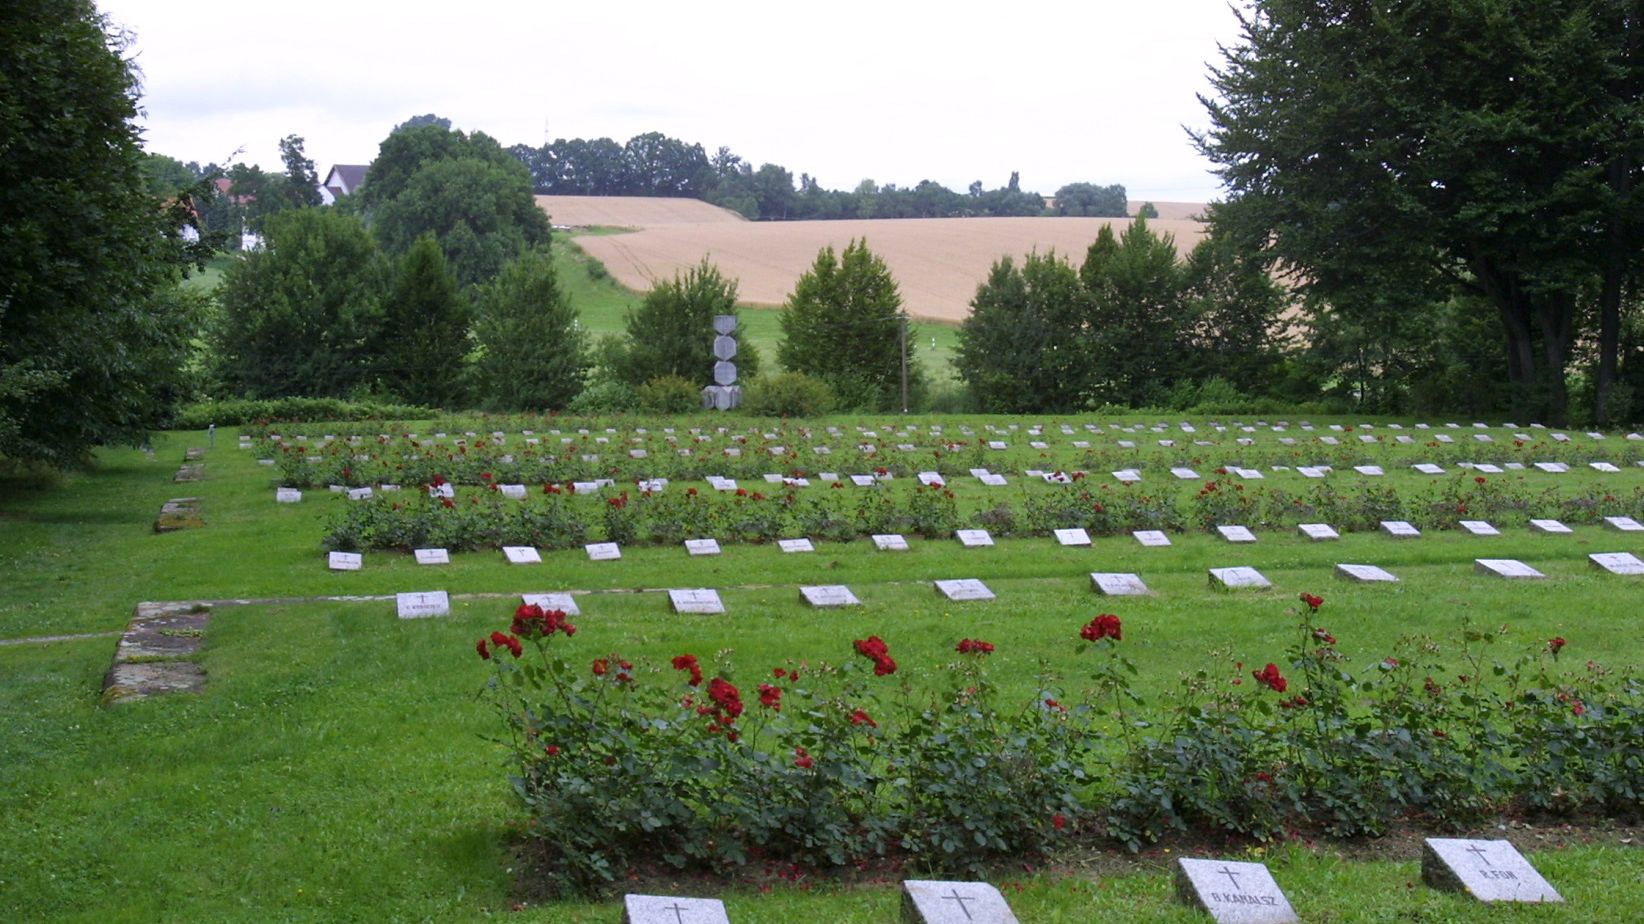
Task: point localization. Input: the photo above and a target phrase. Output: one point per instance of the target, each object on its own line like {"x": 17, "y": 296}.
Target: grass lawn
{"x": 335, "y": 766}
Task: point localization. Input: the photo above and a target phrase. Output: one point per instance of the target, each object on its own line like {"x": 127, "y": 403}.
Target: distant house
{"x": 343, "y": 180}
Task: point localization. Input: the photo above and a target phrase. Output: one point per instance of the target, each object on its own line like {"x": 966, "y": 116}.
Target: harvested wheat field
{"x": 938, "y": 262}
{"x": 633, "y": 211}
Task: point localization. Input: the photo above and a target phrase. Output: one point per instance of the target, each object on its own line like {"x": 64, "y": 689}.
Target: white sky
{"x": 898, "y": 92}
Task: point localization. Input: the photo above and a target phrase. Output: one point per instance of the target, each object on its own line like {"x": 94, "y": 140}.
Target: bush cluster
{"x": 824, "y": 765}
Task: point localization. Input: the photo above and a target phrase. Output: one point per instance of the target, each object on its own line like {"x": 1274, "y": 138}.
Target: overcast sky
{"x": 1097, "y": 90}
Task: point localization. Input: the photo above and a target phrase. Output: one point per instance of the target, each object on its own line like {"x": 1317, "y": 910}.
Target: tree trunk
{"x": 1555, "y": 317}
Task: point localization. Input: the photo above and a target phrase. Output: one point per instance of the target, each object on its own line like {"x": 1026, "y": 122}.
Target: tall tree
{"x": 533, "y": 353}
{"x": 298, "y": 315}
{"x": 672, "y": 332}
{"x": 422, "y": 341}
{"x": 1138, "y": 321}
{"x": 482, "y": 213}
{"x": 1022, "y": 350}
{"x": 302, "y": 184}
{"x": 91, "y": 336}
{"x": 844, "y": 324}
{"x": 1508, "y": 169}
{"x": 1234, "y": 305}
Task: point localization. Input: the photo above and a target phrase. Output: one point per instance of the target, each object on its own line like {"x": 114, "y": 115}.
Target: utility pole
{"x": 904, "y": 339}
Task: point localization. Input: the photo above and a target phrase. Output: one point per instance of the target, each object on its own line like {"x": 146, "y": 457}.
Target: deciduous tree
{"x": 1023, "y": 348}
{"x": 843, "y": 324}
{"x": 671, "y": 333}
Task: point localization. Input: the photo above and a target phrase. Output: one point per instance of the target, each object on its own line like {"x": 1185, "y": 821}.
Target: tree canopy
{"x": 671, "y": 333}
{"x": 1392, "y": 156}
{"x": 92, "y": 336}
{"x": 844, "y": 323}
{"x": 533, "y": 352}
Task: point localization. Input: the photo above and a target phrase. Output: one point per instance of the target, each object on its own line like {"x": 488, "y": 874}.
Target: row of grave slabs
{"x": 1230, "y": 891}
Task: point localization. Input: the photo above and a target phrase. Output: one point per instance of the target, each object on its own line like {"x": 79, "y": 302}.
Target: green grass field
{"x": 336, "y": 765}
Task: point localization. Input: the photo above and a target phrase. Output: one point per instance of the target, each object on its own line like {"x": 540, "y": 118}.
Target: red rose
{"x": 801, "y": 759}
{"x": 770, "y": 697}
{"x": 861, "y": 717}
{"x": 484, "y": 652}
{"x": 1554, "y": 645}
{"x": 1270, "y": 677}
{"x": 687, "y": 662}
{"x": 1313, "y": 603}
{"x": 601, "y": 667}
{"x": 974, "y": 646}
{"x": 1057, "y": 821}
{"x": 1103, "y": 626}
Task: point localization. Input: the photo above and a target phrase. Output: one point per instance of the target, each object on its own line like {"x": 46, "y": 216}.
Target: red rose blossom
{"x": 974, "y": 646}
{"x": 1313, "y": 603}
{"x": 1103, "y": 626}
{"x": 1270, "y": 677}
{"x": 687, "y": 662}
{"x": 801, "y": 759}
{"x": 861, "y": 717}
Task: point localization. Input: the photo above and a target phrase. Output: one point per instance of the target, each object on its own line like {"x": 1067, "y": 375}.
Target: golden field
{"x": 938, "y": 262}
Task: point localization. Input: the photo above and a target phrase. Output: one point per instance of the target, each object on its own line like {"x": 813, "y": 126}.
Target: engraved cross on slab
{"x": 422, "y": 605}
{"x": 936, "y": 902}
{"x": 1488, "y": 870}
{"x": 663, "y": 909}
{"x": 1236, "y": 893}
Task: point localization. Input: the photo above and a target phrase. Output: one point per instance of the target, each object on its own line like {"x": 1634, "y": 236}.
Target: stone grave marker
{"x": 996, "y": 444}
{"x": 1553, "y": 468}
{"x": 1484, "y": 437}
{"x": 432, "y": 556}
{"x": 1310, "y": 471}
{"x": 1365, "y": 574}
{"x": 442, "y": 490}
{"x": 1371, "y": 470}
{"x": 521, "y": 555}
{"x": 1487, "y": 468}
{"x": 422, "y": 605}
{"x": 1443, "y": 438}
{"x": 1329, "y": 440}
{"x": 1479, "y": 528}
{"x": 1399, "y": 529}
{"x": 1115, "y": 584}
{"x": 973, "y": 538}
{"x": 992, "y": 480}
{"x": 699, "y": 600}
{"x": 1318, "y": 532}
{"x": 1550, "y": 527}
{"x": 1127, "y": 444}
{"x": 1185, "y": 474}
{"x": 344, "y": 561}
{"x": 1617, "y": 562}
{"x": 828, "y": 595}
{"x": 1151, "y": 538}
{"x": 792, "y": 546}
{"x": 603, "y": 551}
{"x": 565, "y": 603}
{"x": 287, "y": 496}
{"x": 1232, "y": 893}
{"x": 179, "y": 513}
{"x": 930, "y": 478}
{"x": 1072, "y": 537}
{"x": 1127, "y": 475}
{"x": 1236, "y": 578}
{"x": 359, "y": 493}
{"x": 863, "y": 481}
{"x": 1624, "y": 524}
{"x": 702, "y": 546}
{"x": 1506, "y": 568}
{"x": 512, "y": 491}
{"x": 1490, "y": 871}
{"x": 1248, "y": 474}
{"x": 1236, "y": 533}
{"x": 936, "y": 902}
{"x": 1608, "y": 468}
{"x": 1428, "y": 468}
{"x": 890, "y": 542}
{"x": 963, "y": 590}
{"x": 663, "y": 909}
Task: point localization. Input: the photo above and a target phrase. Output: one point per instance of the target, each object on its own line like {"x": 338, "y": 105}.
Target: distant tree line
{"x": 654, "y": 164}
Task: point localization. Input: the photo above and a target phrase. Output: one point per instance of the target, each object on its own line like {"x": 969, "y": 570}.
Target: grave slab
{"x": 1238, "y": 578}
{"x": 1624, "y": 524}
{"x": 1399, "y": 529}
{"x": 512, "y": 491}
{"x": 1371, "y": 470}
{"x": 794, "y": 546}
{"x": 890, "y": 542}
{"x": 963, "y": 590}
{"x": 563, "y": 602}
{"x": 1506, "y": 568}
{"x": 702, "y": 546}
{"x": 828, "y": 595}
{"x": 1318, "y": 532}
{"x": 1236, "y": 533}
{"x": 1478, "y": 528}
{"x": 1553, "y": 468}
{"x": 1365, "y": 574}
{"x": 287, "y": 496}
{"x": 521, "y": 555}
{"x": 603, "y": 551}
{"x": 1550, "y": 527}
{"x": 1609, "y": 468}
{"x": 927, "y": 901}
{"x": 1151, "y": 538}
{"x": 1116, "y": 584}
{"x": 1232, "y": 893}
{"x": 663, "y": 909}
{"x": 973, "y": 538}
{"x": 1185, "y": 474}
{"x": 1428, "y": 468}
{"x": 1488, "y": 870}
{"x": 700, "y": 600}
{"x": 1072, "y": 537}
{"x": 1128, "y": 475}
{"x": 1617, "y": 562}
{"x": 344, "y": 561}
{"x": 422, "y": 605}
{"x": 432, "y": 556}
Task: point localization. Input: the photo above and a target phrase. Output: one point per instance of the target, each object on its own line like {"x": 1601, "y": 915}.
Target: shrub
{"x": 239, "y": 411}
{"x": 789, "y": 394}
{"x": 668, "y": 394}
{"x": 604, "y": 398}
